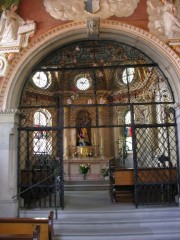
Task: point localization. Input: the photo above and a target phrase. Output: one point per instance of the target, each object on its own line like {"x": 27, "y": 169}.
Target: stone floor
{"x": 92, "y": 201}
{"x": 90, "y": 215}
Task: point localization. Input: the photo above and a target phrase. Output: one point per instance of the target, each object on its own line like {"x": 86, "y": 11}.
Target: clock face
{"x": 40, "y": 79}
{"x": 83, "y": 83}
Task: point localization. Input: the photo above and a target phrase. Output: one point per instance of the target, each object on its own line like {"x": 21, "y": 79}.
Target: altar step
{"x": 119, "y": 223}
{"x": 86, "y": 185}
{"x": 90, "y": 215}
{"x": 132, "y": 224}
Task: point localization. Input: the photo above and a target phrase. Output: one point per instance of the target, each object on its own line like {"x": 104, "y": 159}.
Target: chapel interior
{"x": 92, "y": 85}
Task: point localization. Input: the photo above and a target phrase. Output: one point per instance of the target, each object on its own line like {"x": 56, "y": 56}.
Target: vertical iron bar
{"x": 134, "y": 155}
{"x": 60, "y": 143}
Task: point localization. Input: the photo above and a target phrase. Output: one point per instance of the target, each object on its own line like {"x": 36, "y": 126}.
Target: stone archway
{"x": 168, "y": 61}
{"x": 158, "y": 51}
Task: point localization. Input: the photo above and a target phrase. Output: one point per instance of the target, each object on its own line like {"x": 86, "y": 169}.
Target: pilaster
{"x": 8, "y": 162}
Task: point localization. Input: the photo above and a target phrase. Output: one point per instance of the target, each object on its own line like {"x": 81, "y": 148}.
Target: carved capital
{"x": 9, "y": 115}
{"x": 10, "y": 111}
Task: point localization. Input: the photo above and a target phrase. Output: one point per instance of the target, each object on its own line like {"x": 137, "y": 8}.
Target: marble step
{"x": 118, "y": 213}
{"x": 121, "y": 224}
{"x": 144, "y": 224}
{"x": 86, "y": 184}
{"x": 151, "y": 236}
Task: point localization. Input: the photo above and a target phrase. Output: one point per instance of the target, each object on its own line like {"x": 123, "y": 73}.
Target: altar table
{"x": 72, "y": 171}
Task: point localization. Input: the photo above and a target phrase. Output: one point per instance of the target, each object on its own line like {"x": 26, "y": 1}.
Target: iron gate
{"x": 156, "y": 173}
{"x": 93, "y": 85}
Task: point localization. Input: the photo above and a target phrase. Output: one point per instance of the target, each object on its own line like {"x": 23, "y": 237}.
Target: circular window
{"x": 83, "y": 82}
{"x": 128, "y": 75}
{"x": 40, "y": 79}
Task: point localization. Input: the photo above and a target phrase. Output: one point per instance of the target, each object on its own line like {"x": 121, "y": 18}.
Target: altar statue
{"x": 83, "y": 138}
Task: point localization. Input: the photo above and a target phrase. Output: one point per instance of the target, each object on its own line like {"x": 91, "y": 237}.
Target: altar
{"x": 72, "y": 169}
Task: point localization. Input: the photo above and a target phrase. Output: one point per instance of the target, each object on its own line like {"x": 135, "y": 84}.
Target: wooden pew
{"x": 122, "y": 185}
{"x": 34, "y": 236}
{"x": 122, "y": 181}
{"x": 27, "y": 225}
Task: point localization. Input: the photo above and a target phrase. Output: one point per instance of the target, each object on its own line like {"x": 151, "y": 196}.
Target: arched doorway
{"x": 101, "y": 81}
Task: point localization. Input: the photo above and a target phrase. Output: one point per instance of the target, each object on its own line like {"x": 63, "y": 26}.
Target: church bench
{"x": 34, "y": 236}
{"x": 122, "y": 185}
{"x": 122, "y": 181}
{"x": 27, "y": 225}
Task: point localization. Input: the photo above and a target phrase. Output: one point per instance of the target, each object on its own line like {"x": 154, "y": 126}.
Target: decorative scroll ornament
{"x": 81, "y": 9}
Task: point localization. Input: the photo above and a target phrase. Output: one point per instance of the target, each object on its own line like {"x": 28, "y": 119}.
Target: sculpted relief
{"x": 164, "y": 18}
{"x": 14, "y": 34}
{"x": 81, "y": 9}
{"x": 12, "y": 26}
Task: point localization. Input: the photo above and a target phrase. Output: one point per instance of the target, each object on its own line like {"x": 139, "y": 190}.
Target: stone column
{"x": 8, "y": 162}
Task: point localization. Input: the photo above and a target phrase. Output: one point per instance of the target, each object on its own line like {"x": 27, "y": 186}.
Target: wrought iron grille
{"x": 157, "y": 180}
{"x": 100, "y": 81}
{"x": 40, "y": 167}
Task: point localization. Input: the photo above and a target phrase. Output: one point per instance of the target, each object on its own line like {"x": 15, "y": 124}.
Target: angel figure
{"x": 169, "y": 23}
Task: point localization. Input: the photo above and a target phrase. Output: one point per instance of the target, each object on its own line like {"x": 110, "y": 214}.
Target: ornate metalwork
{"x": 109, "y": 93}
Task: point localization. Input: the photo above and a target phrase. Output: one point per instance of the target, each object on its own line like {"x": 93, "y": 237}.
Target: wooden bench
{"x": 34, "y": 236}
{"x": 122, "y": 185}
{"x": 27, "y": 226}
{"x": 122, "y": 181}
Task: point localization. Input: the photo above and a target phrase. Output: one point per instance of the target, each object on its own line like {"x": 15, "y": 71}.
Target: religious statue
{"x": 12, "y": 25}
{"x": 10, "y": 22}
{"x": 14, "y": 34}
{"x": 83, "y": 138}
{"x": 168, "y": 23}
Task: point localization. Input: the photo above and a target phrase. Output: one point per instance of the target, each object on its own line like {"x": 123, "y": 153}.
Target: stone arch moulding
{"x": 158, "y": 51}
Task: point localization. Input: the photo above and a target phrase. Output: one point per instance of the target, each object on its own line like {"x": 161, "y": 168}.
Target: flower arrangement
{"x": 84, "y": 168}
{"x": 105, "y": 171}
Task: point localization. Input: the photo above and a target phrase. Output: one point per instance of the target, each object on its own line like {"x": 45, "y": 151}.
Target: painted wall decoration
{"x": 80, "y": 9}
